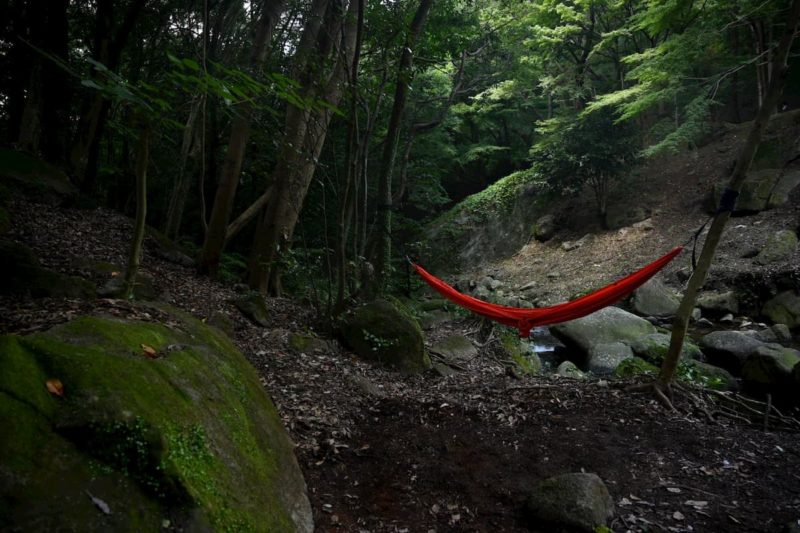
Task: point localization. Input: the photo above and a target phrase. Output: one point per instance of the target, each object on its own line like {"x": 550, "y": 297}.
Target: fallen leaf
{"x": 677, "y": 515}
{"x": 103, "y": 506}
{"x": 55, "y": 387}
{"x": 114, "y": 274}
{"x": 696, "y": 503}
{"x": 149, "y": 351}
{"x": 674, "y": 490}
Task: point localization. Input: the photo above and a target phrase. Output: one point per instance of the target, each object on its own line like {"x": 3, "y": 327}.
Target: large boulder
{"x": 763, "y": 189}
{"x": 783, "y": 309}
{"x": 37, "y": 180}
{"x": 22, "y": 275}
{"x": 718, "y": 302}
{"x": 605, "y": 358}
{"x": 455, "y": 348}
{"x": 729, "y": 349}
{"x": 770, "y": 368}
{"x": 573, "y": 502}
{"x": 610, "y": 324}
{"x": 780, "y": 246}
{"x": 655, "y": 299}
{"x": 114, "y": 425}
{"x": 383, "y": 331}
{"x": 654, "y": 347}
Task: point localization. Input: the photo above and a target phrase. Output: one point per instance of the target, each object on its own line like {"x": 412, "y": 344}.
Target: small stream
{"x": 550, "y": 350}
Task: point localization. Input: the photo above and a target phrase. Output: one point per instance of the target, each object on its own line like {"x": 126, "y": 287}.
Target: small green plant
{"x": 378, "y": 344}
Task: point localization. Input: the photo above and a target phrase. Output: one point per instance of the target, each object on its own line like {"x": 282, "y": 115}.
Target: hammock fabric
{"x": 526, "y": 319}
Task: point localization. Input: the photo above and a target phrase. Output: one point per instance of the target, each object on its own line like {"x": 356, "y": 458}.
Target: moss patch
{"x": 635, "y": 366}
{"x": 190, "y": 435}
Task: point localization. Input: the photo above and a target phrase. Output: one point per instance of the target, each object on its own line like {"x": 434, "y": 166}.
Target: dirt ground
{"x": 383, "y": 452}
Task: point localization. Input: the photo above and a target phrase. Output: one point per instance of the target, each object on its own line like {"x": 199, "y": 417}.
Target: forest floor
{"x": 383, "y": 452}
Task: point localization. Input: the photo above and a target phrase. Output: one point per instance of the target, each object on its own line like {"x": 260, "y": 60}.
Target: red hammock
{"x": 525, "y": 319}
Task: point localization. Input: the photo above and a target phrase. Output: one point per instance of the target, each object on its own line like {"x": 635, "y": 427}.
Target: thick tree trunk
{"x": 232, "y": 167}
{"x": 295, "y": 170}
{"x": 780, "y": 69}
{"x": 383, "y": 226}
{"x": 135, "y": 254}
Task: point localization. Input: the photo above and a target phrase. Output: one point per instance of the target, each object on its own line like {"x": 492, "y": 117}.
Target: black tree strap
{"x": 726, "y": 203}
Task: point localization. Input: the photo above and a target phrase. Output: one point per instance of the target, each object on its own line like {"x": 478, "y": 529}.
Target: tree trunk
{"x": 295, "y": 170}
{"x": 780, "y": 69}
{"x": 107, "y": 49}
{"x": 135, "y": 254}
{"x": 182, "y": 184}
{"x": 383, "y": 226}
{"x": 232, "y": 167}
{"x": 352, "y": 169}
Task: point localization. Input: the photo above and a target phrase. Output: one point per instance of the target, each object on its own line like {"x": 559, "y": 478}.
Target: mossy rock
{"x": 34, "y": 178}
{"x": 144, "y": 288}
{"x": 710, "y": 376}
{"x": 780, "y": 246}
{"x": 654, "y": 348}
{"x": 22, "y": 275}
{"x": 770, "y": 369}
{"x": 568, "y": 369}
{"x": 526, "y": 362}
{"x": 384, "y": 331}
{"x": 455, "y": 348}
{"x": 634, "y": 367}
{"x": 189, "y": 437}
{"x": 307, "y": 343}
{"x": 253, "y": 307}
{"x": 570, "y": 502}
{"x": 784, "y": 309}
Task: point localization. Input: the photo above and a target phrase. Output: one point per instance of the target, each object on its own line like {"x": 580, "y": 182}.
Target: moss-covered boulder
{"x": 763, "y": 189}
{"x": 568, "y": 369}
{"x": 654, "y": 348}
{"x": 784, "y": 309}
{"x": 780, "y": 246}
{"x": 710, "y": 376}
{"x": 634, "y": 367}
{"x": 307, "y": 343}
{"x": 386, "y": 332}
{"x": 770, "y": 369}
{"x": 34, "y": 178}
{"x": 22, "y": 275}
{"x": 718, "y": 302}
{"x": 253, "y": 307}
{"x": 729, "y": 349}
{"x": 183, "y": 437}
{"x": 570, "y": 502}
{"x": 518, "y": 352}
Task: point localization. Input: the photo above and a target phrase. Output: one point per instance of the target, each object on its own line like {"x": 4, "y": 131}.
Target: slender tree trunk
{"x": 248, "y": 214}
{"x": 383, "y": 227}
{"x": 232, "y": 167}
{"x": 352, "y": 166}
{"x": 295, "y": 171}
{"x": 182, "y": 184}
{"x": 780, "y": 69}
{"x": 135, "y": 254}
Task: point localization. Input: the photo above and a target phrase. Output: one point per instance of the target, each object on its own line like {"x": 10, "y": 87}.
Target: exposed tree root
{"x": 664, "y": 393}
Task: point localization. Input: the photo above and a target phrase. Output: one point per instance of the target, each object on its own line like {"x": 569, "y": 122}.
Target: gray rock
{"x": 718, "y": 302}
{"x": 729, "y": 349}
{"x": 444, "y": 370}
{"x": 307, "y": 343}
{"x": 433, "y": 318}
{"x": 654, "y": 347}
{"x": 697, "y": 314}
{"x": 763, "y": 189}
{"x": 570, "y": 501}
{"x": 605, "y": 358}
{"x": 253, "y": 307}
{"x": 655, "y": 299}
{"x": 567, "y": 369}
{"x": 770, "y": 369}
{"x": 455, "y": 348}
{"x": 780, "y": 246}
{"x": 783, "y": 309}
{"x": 528, "y": 286}
{"x": 781, "y": 332}
{"x": 610, "y": 324}
{"x": 545, "y": 228}
{"x": 495, "y": 284}
{"x": 705, "y": 323}
{"x": 367, "y": 387}
{"x": 712, "y": 376}
{"x": 727, "y": 319}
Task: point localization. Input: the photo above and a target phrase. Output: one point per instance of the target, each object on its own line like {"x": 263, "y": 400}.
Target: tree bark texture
{"x": 231, "y": 168}
{"x": 772, "y": 96}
